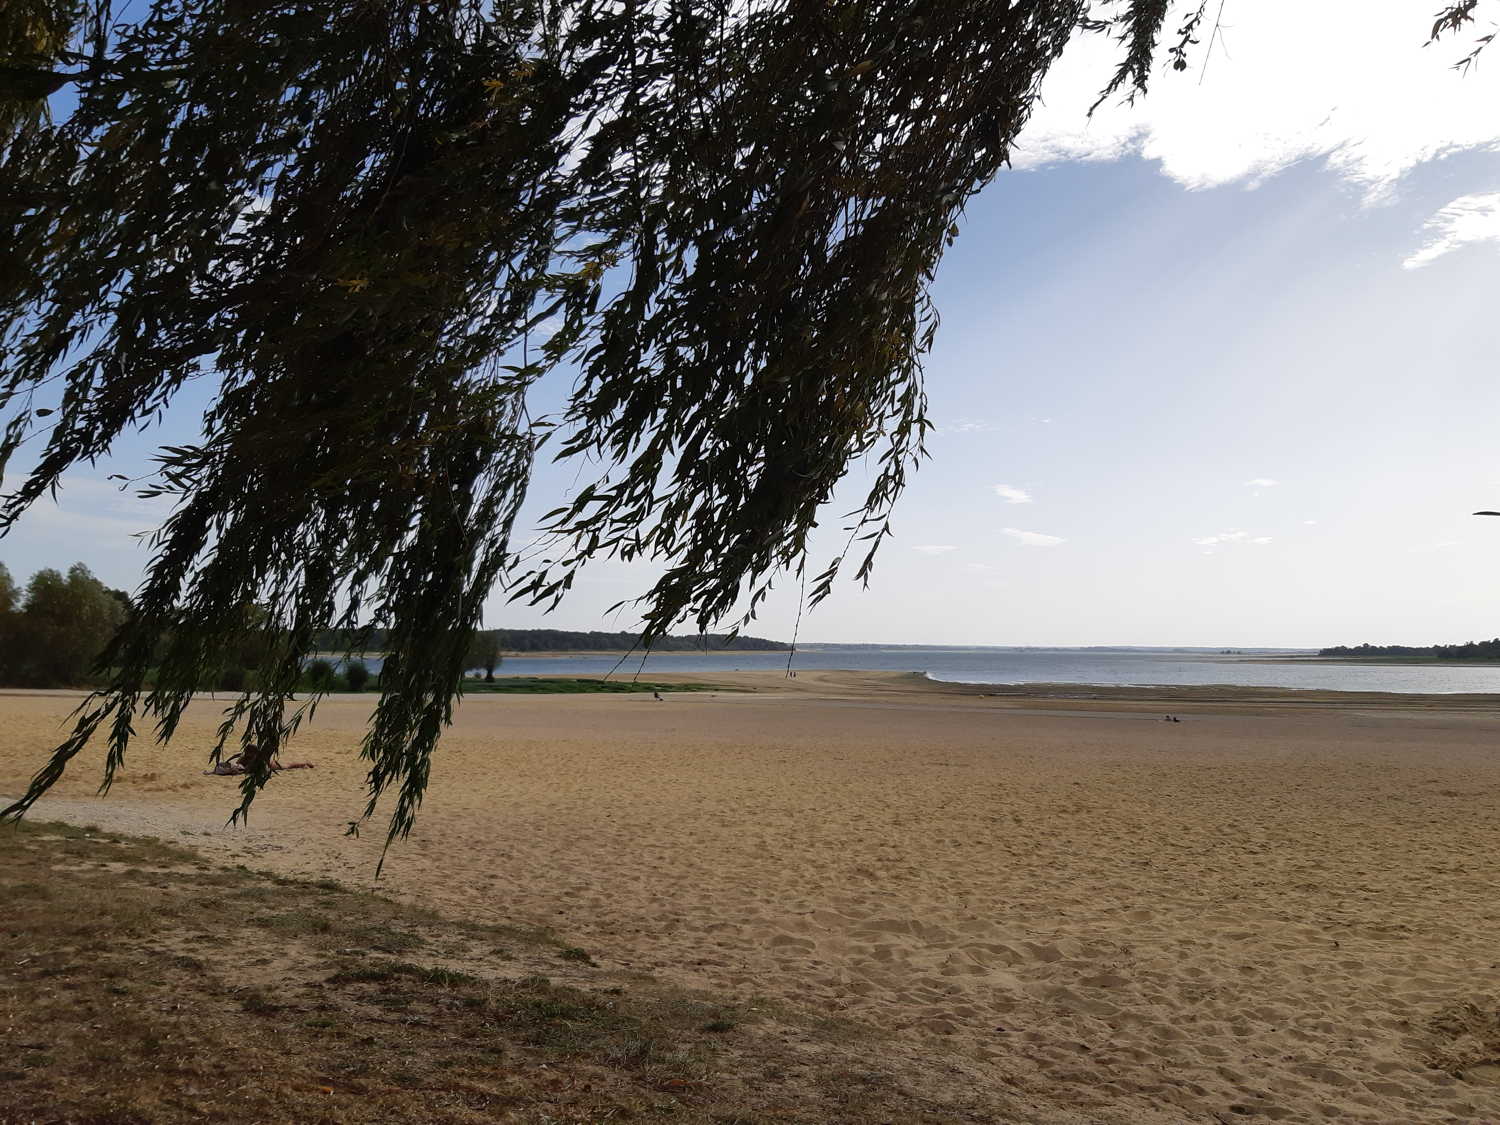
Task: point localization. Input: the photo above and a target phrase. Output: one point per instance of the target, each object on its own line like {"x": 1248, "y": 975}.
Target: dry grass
{"x": 141, "y": 984}
{"x": 1466, "y": 1041}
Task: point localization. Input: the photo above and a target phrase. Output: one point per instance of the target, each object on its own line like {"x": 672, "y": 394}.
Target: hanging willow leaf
{"x": 353, "y": 216}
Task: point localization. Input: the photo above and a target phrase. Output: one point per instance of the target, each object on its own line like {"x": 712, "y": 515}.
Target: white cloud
{"x": 969, "y": 426}
{"x": 1261, "y": 482}
{"x": 1033, "y": 538}
{"x": 935, "y": 548}
{"x": 1343, "y": 81}
{"x": 1469, "y": 218}
{"x": 1011, "y": 494}
{"x": 1309, "y": 523}
{"x": 1228, "y": 538}
{"x": 548, "y": 329}
{"x": 88, "y": 512}
{"x": 92, "y": 498}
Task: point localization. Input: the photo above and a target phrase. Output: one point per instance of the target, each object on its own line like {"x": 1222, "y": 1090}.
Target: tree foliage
{"x": 356, "y": 675}
{"x": 34, "y": 38}
{"x": 1469, "y": 650}
{"x": 374, "y": 224}
{"x": 8, "y": 596}
{"x": 484, "y": 652}
{"x": 55, "y": 635}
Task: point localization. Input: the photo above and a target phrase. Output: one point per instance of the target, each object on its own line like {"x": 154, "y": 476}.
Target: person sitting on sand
{"x": 240, "y": 764}
{"x": 656, "y": 695}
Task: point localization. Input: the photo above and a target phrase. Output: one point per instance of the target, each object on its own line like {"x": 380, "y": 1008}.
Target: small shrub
{"x": 257, "y": 1003}
{"x": 357, "y": 675}
{"x": 320, "y": 675}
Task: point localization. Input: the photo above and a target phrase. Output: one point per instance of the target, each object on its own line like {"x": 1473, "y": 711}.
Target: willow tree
{"x": 374, "y": 224}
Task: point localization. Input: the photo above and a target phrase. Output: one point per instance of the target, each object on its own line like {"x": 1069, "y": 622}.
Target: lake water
{"x": 1039, "y": 665}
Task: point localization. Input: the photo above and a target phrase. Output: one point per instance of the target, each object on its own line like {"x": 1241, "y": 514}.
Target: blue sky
{"x": 1218, "y": 369}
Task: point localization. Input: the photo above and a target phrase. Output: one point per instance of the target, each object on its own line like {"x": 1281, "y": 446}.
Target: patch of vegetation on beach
{"x": 1466, "y": 1041}
{"x": 154, "y": 987}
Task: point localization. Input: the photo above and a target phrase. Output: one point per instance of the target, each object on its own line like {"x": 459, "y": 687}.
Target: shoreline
{"x": 866, "y": 683}
{"x": 843, "y": 683}
{"x": 1374, "y": 661}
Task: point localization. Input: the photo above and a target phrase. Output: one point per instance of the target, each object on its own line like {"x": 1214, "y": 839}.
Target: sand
{"x": 1287, "y": 913}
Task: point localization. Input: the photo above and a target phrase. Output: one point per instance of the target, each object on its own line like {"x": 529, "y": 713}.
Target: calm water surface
{"x": 1022, "y": 666}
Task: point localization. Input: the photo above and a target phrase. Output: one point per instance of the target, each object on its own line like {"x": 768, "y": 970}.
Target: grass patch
{"x": 386, "y": 939}
{"x": 299, "y": 922}
{"x": 128, "y": 987}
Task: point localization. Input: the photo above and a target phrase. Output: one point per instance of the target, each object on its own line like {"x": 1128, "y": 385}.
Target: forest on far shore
{"x": 54, "y": 630}
{"x": 565, "y": 640}
{"x": 1470, "y": 650}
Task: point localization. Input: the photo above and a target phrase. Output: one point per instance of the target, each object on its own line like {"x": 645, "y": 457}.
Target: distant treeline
{"x": 54, "y": 629}
{"x": 565, "y": 640}
{"x": 1472, "y": 650}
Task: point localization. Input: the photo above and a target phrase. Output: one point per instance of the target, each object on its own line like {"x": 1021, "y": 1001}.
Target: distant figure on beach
{"x": 241, "y": 763}
{"x": 656, "y": 695}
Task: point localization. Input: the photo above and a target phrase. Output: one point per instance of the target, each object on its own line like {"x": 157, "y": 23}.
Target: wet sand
{"x": 1275, "y": 910}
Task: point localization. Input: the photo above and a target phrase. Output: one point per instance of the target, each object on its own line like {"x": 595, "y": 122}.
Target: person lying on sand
{"x": 239, "y": 764}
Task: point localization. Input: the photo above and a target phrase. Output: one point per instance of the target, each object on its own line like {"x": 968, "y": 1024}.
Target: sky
{"x": 1214, "y": 369}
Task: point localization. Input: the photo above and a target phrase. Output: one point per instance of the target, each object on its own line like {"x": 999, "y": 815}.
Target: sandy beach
{"x": 1285, "y": 912}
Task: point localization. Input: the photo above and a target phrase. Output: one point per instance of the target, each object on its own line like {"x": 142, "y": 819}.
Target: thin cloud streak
{"x": 969, "y": 426}
{"x": 1033, "y": 538}
{"x": 1229, "y": 538}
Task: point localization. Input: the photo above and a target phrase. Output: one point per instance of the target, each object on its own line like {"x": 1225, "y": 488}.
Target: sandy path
{"x": 1239, "y": 915}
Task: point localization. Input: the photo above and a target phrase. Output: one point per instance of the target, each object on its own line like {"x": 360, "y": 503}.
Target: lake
{"x": 1142, "y": 667}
